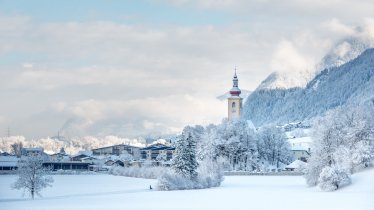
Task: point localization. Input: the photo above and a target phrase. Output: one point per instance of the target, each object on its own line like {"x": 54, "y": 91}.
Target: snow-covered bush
{"x": 332, "y": 178}
{"x": 173, "y": 181}
{"x": 210, "y": 174}
{"x": 362, "y": 155}
{"x": 152, "y": 172}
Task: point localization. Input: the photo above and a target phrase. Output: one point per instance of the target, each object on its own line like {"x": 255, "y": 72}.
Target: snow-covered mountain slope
{"x": 342, "y": 52}
{"x": 345, "y": 51}
{"x": 286, "y": 80}
{"x": 349, "y": 83}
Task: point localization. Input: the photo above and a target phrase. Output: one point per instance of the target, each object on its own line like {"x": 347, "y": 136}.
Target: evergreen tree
{"x": 184, "y": 161}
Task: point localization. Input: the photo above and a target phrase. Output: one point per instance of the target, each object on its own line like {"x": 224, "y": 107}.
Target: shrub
{"x": 331, "y": 178}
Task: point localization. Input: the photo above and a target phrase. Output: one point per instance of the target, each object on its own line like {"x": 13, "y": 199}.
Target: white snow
{"x": 302, "y": 143}
{"x": 236, "y": 192}
{"x": 297, "y": 164}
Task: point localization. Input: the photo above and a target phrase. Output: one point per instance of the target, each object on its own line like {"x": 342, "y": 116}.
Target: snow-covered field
{"x": 236, "y": 192}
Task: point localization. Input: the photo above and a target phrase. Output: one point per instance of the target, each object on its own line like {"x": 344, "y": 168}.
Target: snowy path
{"x": 237, "y": 192}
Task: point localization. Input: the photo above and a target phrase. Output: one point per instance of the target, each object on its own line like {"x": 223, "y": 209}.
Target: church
{"x": 234, "y": 100}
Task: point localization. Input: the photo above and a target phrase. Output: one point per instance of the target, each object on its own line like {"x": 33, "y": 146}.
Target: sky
{"x": 151, "y": 67}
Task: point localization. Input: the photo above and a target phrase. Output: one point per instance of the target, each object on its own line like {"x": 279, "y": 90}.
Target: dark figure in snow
{"x": 150, "y": 187}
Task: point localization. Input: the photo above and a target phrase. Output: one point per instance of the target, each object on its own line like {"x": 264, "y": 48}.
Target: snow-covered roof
{"x": 160, "y": 141}
{"x": 89, "y": 158}
{"x": 158, "y": 147}
{"x": 306, "y": 139}
{"x": 37, "y": 149}
{"x": 297, "y": 164}
{"x": 8, "y": 160}
{"x": 299, "y": 148}
{"x": 85, "y": 152}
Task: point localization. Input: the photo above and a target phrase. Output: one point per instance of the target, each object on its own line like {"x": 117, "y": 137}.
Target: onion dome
{"x": 235, "y": 91}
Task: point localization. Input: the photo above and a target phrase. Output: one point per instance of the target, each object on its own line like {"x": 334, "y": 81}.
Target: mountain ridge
{"x": 351, "y": 82}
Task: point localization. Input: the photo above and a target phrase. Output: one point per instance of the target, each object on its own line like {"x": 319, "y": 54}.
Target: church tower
{"x": 234, "y": 101}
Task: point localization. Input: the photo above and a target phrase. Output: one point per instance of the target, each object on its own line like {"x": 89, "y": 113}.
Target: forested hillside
{"x": 349, "y": 83}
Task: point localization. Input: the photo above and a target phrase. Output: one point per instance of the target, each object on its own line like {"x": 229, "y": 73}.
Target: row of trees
{"x": 203, "y": 153}
{"x": 243, "y": 147}
{"x": 343, "y": 144}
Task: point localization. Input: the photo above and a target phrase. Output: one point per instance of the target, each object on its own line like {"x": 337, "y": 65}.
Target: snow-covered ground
{"x": 236, "y": 192}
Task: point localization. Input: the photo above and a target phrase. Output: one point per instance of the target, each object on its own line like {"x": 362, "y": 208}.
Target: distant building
{"x": 8, "y": 162}
{"x": 301, "y": 148}
{"x": 79, "y": 157}
{"x": 297, "y": 165}
{"x": 60, "y": 156}
{"x": 151, "y": 152}
{"x": 118, "y": 150}
{"x": 32, "y": 151}
{"x": 35, "y": 151}
{"x": 5, "y": 154}
{"x": 301, "y": 154}
{"x": 66, "y": 165}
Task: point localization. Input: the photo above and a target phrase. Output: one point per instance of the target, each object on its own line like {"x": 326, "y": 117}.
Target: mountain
{"x": 345, "y": 51}
{"x": 286, "y": 80}
{"x": 352, "y": 82}
{"x": 342, "y": 52}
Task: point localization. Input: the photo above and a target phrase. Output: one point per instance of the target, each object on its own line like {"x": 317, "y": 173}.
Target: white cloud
{"x": 141, "y": 116}
{"x": 335, "y": 25}
{"x": 27, "y": 65}
{"x": 101, "y": 77}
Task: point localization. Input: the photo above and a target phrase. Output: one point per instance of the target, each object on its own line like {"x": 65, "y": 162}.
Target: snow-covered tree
{"x": 343, "y": 138}
{"x": 333, "y": 177}
{"x": 273, "y": 146}
{"x": 235, "y": 140}
{"x": 184, "y": 161}
{"x": 17, "y": 148}
{"x": 32, "y": 176}
{"x": 162, "y": 158}
{"x": 125, "y": 156}
{"x": 207, "y": 144}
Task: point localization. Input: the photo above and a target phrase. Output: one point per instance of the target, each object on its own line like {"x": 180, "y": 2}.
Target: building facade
{"x": 118, "y": 150}
{"x": 157, "y": 150}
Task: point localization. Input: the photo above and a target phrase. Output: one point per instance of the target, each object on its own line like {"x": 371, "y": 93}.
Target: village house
{"x": 8, "y": 162}
{"x": 300, "y": 154}
{"x": 153, "y": 151}
{"x": 118, "y": 150}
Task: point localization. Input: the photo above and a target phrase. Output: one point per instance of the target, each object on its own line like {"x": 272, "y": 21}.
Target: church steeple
{"x": 234, "y": 101}
{"x": 235, "y": 91}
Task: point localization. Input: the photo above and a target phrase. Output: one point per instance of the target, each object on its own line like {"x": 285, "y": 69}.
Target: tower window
{"x": 233, "y": 105}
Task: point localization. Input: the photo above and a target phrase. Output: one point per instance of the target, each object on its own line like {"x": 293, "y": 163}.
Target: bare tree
{"x": 17, "y": 149}
{"x": 32, "y": 176}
